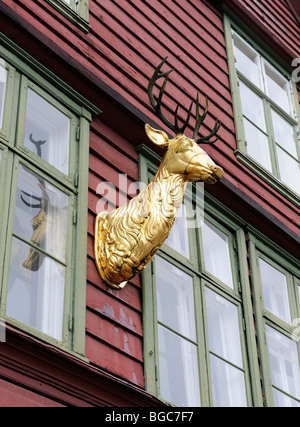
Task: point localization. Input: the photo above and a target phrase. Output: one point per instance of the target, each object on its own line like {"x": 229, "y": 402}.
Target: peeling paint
{"x": 125, "y": 321}
{"x": 134, "y": 378}
{"x": 126, "y": 344}
{"x": 108, "y": 311}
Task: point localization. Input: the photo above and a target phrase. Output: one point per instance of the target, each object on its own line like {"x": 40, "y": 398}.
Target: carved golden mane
{"x": 129, "y": 237}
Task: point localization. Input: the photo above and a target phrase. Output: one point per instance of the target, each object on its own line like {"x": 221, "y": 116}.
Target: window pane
{"x": 47, "y": 131}
{"x": 178, "y": 369}
{"x": 252, "y": 106}
{"x": 284, "y": 401}
{"x": 223, "y": 328}
{"x": 275, "y": 291}
{"x": 36, "y": 298}
{"x": 257, "y": 145}
{"x": 228, "y": 384}
{"x": 289, "y": 170}
{"x": 3, "y": 77}
{"x": 284, "y": 133}
{"x": 277, "y": 88}
{"x": 178, "y": 238}
{"x": 175, "y": 298}
{"x": 216, "y": 253}
{"x": 246, "y": 60}
{"x": 40, "y": 216}
{"x": 284, "y": 362}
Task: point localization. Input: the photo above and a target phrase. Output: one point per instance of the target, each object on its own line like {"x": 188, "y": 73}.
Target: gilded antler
{"x": 200, "y": 120}
{"x": 175, "y": 127}
{"x": 157, "y": 104}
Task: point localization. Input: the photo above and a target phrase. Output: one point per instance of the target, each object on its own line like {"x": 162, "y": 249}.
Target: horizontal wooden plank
{"x": 113, "y": 361}
{"x": 280, "y": 27}
{"x": 130, "y": 295}
{"x": 127, "y": 293}
{"x": 115, "y": 309}
{"x": 114, "y": 138}
{"x": 114, "y": 334}
{"x": 112, "y": 156}
{"x": 109, "y": 196}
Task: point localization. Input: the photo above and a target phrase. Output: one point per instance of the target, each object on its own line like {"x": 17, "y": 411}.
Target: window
{"x": 266, "y": 113}
{"x": 200, "y": 340}
{"x": 77, "y": 11}
{"x": 276, "y": 296}
{"x": 197, "y": 348}
{"x": 43, "y": 185}
{"x": 182, "y": 294}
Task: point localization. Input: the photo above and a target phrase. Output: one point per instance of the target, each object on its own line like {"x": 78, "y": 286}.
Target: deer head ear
{"x": 158, "y": 137}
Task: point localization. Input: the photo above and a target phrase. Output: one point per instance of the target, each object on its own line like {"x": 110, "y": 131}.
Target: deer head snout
{"x": 218, "y": 172}
{"x": 202, "y": 168}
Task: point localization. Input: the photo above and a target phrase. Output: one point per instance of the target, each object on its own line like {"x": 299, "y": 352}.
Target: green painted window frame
{"x": 260, "y": 247}
{"x": 23, "y": 72}
{"x": 238, "y": 296}
{"x": 247, "y": 245}
{"x": 233, "y": 23}
{"x": 77, "y": 11}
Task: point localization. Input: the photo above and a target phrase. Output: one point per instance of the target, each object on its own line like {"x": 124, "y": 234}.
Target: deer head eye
{"x": 186, "y": 145}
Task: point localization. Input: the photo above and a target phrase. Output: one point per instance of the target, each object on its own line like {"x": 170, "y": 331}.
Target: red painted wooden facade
{"x": 110, "y": 65}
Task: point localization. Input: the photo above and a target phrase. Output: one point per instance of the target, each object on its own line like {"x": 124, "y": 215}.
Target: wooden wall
{"x": 14, "y": 396}
{"x": 126, "y": 40}
{"x": 278, "y": 18}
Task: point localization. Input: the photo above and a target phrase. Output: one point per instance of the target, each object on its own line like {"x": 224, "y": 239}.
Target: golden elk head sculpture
{"x": 127, "y": 238}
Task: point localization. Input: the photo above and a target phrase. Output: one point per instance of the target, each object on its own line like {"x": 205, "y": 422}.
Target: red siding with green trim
{"x": 126, "y": 40}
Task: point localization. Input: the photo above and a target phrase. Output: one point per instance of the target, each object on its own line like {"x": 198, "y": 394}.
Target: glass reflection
{"x": 41, "y": 215}
{"x": 284, "y": 364}
{"x": 252, "y": 106}
{"x": 247, "y": 60}
{"x": 223, "y": 328}
{"x": 216, "y": 253}
{"x": 257, "y": 145}
{"x": 36, "y": 297}
{"x": 284, "y": 133}
{"x": 228, "y": 384}
{"x": 281, "y": 400}
{"x": 228, "y": 381}
{"x": 47, "y": 131}
{"x": 178, "y": 369}
{"x": 178, "y": 238}
{"x": 277, "y": 88}
{"x": 35, "y": 294}
{"x": 175, "y": 298}
{"x": 275, "y": 291}
{"x": 289, "y": 170}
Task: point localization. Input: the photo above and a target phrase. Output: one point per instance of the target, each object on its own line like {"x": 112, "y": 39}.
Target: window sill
{"x": 268, "y": 177}
{"x": 25, "y": 332}
{"x": 71, "y": 15}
